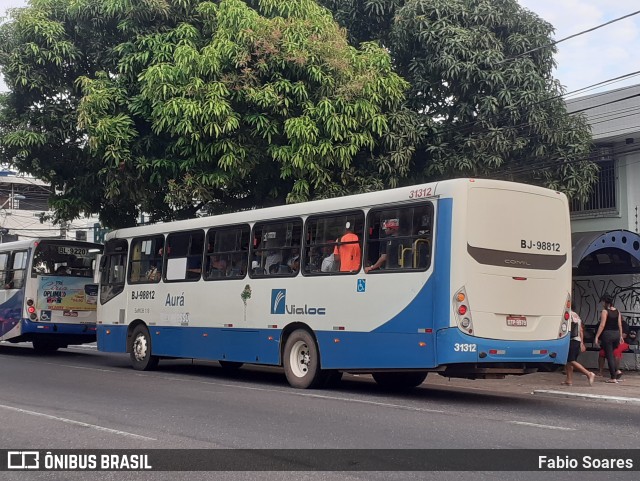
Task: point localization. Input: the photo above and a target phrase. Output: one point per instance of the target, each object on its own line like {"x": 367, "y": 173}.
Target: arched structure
{"x": 606, "y": 262}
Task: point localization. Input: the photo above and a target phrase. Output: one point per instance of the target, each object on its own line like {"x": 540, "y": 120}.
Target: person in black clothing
{"x": 389, "y": 248}
{"x": 610, "y": 329}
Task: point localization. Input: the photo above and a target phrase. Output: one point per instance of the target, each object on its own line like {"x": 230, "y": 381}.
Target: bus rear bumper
{"x": 474, "y": 357}
{"x": 58, "y": 333}
{"x": 55, "y": 328}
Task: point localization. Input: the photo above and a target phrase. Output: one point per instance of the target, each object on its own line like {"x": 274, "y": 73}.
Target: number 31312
{"x": 464, "y": 347}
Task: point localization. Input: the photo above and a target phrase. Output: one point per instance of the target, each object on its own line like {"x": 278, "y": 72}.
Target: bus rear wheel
{"x": 399, "y": 380}
{"x": 140, "y": 350}
{"x": 302, "y": 360}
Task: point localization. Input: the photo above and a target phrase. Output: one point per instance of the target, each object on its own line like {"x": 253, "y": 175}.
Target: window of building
{"x": 603, "y": 194}
{"x": 334, "y": 244}
{"x": 227, "y": 253}
{"x": 399, "y": 239}
{"x": 275, "y": 244}
{"x": 145, "y": 264}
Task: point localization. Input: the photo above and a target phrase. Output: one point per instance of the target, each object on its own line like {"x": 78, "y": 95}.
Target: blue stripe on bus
{"x": 261, "y": 346}
{"x": 342, "y": 350}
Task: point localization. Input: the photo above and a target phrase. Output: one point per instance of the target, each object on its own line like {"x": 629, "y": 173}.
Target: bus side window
{"x": 145, "y": 263}
{"x": 399, "y": 238}
{"x": 16, "y": 275}
{"x": 184, "y": 256}
{"x": 4, "y": 257}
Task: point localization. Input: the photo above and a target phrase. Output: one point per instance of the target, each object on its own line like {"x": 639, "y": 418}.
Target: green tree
{"x": 169, "y": 106}
{"x": 481, "y": 84}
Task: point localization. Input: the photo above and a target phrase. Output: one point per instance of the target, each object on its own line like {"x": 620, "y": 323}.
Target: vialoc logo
{"x": 278, "y": 301}
{"x": 279, "y": 306}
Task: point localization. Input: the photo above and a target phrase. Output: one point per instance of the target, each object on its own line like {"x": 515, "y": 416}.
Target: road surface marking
{"x": 76, "y": 423}
{"x": 294, "y": 393}
{"x": 544, "y": 426}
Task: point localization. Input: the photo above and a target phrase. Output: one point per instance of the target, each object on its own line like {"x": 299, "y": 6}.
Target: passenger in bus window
{"x": 294, "y": 258}
{"x": 347, "y": 250}
{"x": 273, "y": 257}
{"x": 329, "y": 263}
{"x": 389, "y": 248}
{"x": 315, "y": 260}
{"x": 217, "y": 266}
{"x": 62, "y": 271}
{"x": 153, "y": 274}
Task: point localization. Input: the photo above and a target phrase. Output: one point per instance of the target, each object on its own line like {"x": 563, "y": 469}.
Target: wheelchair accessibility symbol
{"x": 362, "y": 285}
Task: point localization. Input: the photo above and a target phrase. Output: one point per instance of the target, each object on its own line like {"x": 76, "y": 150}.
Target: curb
{"x": 592, "y": 397}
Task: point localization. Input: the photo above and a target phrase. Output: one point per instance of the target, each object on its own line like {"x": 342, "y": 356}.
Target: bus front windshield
{"x": 60, "y": 258}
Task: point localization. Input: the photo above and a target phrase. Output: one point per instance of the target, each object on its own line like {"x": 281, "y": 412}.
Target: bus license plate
{"x": 517, "y": 321}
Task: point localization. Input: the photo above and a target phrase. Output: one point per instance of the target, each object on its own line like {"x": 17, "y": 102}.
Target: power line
{"x": 556, "y": 42}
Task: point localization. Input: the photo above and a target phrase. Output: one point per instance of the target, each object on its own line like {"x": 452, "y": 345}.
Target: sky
{"x": 582, "y": 61}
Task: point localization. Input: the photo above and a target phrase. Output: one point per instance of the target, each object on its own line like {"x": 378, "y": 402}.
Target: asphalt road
{"x": 81, "y": 398}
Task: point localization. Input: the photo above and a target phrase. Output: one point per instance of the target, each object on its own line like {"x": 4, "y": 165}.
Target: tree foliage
{"x": 480, "y": 74}
{"x": 166, "y": 106}
{"x": 171, "y": 106}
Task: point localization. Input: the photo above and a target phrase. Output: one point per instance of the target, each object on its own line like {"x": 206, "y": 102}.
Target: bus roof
{"x": 446, "y": 188}
{"x": 25, "y": 244}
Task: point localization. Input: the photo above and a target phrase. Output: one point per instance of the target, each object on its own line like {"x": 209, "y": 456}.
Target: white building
{"x": 23, "y": 200}
{"x": 606, "y": 240}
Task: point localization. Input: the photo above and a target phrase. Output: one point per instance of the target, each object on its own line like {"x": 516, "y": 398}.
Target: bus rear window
{"x": 64, "y": 259}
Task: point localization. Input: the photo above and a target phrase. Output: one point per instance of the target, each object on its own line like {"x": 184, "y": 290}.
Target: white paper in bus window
{"x": 146, "y": 247}
{"x": 176, "y": 268}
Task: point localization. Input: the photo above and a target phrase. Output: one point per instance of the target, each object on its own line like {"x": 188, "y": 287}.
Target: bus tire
{"x": 140, "y": 350}
{"x": 230, "y": 365}
{"x": 42, "y": 346}
{"x": 397, "y": 381}
{"x": 302, "y": 360}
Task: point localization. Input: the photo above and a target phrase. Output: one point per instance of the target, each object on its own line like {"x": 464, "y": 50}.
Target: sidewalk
{"x": 550, "y": 384}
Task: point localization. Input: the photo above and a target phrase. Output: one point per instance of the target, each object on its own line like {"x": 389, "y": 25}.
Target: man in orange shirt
{"x": 347, "y": 251}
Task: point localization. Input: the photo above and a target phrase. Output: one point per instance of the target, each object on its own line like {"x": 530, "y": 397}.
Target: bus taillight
{"x": 31, "y": 310}
{"x": 463, "y": 311}
{"x": 29, "y": 302}
{"x": 564, "y": 321}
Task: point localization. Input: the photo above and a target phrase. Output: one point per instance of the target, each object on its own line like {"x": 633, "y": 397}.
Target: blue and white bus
{"x": 48, "y": 295}
{"x": 467, "y": 278}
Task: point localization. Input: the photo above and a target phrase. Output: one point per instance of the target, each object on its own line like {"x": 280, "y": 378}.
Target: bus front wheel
{"x": 399, "y": 380}
{"x": 140, "y": 350}
{"x": 301, "y": 360}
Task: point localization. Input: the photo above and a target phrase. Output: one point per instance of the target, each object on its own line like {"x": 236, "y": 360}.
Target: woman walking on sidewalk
{"x": 611, "y": 330}
{"x": 576, "y": 346}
